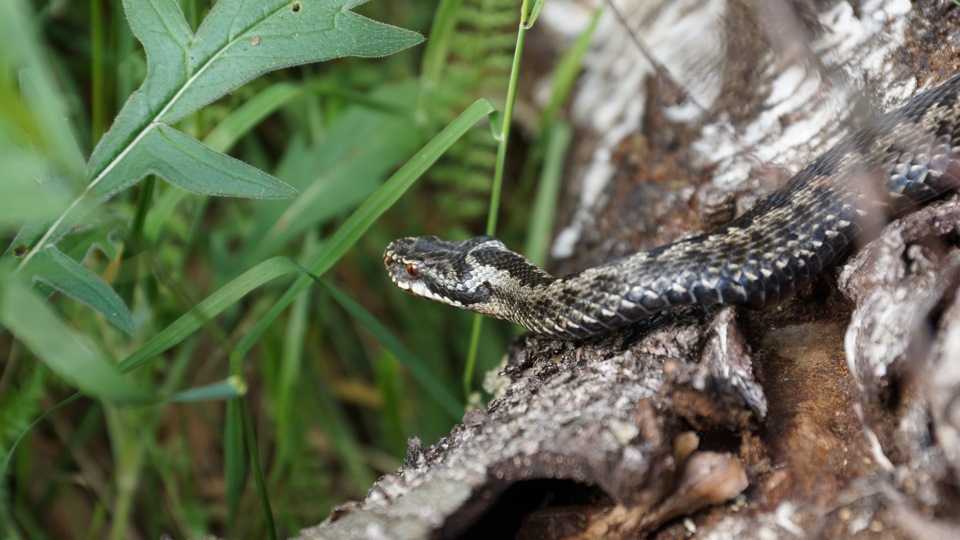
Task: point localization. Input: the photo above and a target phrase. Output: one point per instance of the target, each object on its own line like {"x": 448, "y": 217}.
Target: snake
{"x": 897, "y": 162}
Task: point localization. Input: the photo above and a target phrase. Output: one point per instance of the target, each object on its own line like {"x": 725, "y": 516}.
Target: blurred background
{"x": 332, "y": 407}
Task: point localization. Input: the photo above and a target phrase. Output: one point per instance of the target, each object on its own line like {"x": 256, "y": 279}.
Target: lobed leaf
{"x": 239, "y": 40}
{"x": 54, "y": 268}
{"x": 192, "y": 166}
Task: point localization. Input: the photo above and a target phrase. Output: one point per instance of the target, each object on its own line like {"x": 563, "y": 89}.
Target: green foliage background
{"x": 197, "y": 343}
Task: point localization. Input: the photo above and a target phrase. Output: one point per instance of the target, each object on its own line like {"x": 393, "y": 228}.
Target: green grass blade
{"x": 548, "y": 192}
{"x": 435, "y": 55}
{"x": 502, "y": 140}
{"x": 390, "y": 385}
{"x": 504, "y": 137}
{"x": 5, "y": 465}
{"x": 354, "y": 155}
{"x": 160, "y": 212}
{"x": 534, "y": 11}
{"x": 245, "y": 117}
{"x": 472, "y": 350}
{"x": 361, "y": 220}
{"x": 210, "y": 307}
{"x": 251, "y": 440}
{"x": 568, "y": 69}
{"x": 417, "y": 368}
{"x": 234, "y": 458}
{"x": 229, "y": 388}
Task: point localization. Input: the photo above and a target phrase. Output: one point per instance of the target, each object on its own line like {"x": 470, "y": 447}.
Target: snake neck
{"x": 516, "y": 287}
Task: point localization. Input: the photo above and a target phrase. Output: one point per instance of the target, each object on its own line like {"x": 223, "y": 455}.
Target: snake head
{"x": 441, "y": 270}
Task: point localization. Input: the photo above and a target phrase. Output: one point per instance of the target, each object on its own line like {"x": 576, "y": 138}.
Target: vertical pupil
{"x": 413, "y": 270}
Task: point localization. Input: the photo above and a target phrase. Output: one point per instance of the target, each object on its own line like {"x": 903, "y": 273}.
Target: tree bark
{"x": 835, "y": 414}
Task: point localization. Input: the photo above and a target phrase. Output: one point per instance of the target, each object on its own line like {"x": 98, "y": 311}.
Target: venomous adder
{"x": 898, "y": 161}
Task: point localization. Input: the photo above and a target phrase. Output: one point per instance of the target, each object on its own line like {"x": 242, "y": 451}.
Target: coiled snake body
{"x": 898, "y": 161}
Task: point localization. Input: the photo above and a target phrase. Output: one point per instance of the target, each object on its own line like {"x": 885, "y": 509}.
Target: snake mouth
{"x": 396, "y": 271}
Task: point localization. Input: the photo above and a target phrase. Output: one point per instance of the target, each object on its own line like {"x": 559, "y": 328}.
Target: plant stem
{"x": 498, "y": 183}
{"x": 255, "y": 463}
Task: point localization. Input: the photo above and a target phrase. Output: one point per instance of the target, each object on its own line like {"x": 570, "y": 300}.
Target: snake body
{"x": 899, "y": 161}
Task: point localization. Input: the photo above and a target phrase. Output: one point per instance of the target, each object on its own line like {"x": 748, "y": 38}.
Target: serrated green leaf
{"x": 237, "y": 41}
{"x": 52, "y": 267}
{"x": 62, "y": 349}
{"x": 192, "y": 166}
{"x": 234, "y": 126}
{"x": 234, "y": 45}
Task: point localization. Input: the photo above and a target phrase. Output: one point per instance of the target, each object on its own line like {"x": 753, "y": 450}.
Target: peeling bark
{"x": 836, "y": 414}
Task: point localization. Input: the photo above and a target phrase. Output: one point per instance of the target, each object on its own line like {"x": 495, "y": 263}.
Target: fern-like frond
{"x": 477, "y": 65}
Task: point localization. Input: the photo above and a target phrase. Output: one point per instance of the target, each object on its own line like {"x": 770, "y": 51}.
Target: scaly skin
{"x": 901, "y": 160}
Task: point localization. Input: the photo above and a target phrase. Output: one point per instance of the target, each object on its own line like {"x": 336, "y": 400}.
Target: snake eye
{"x": 412, "y": 270}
